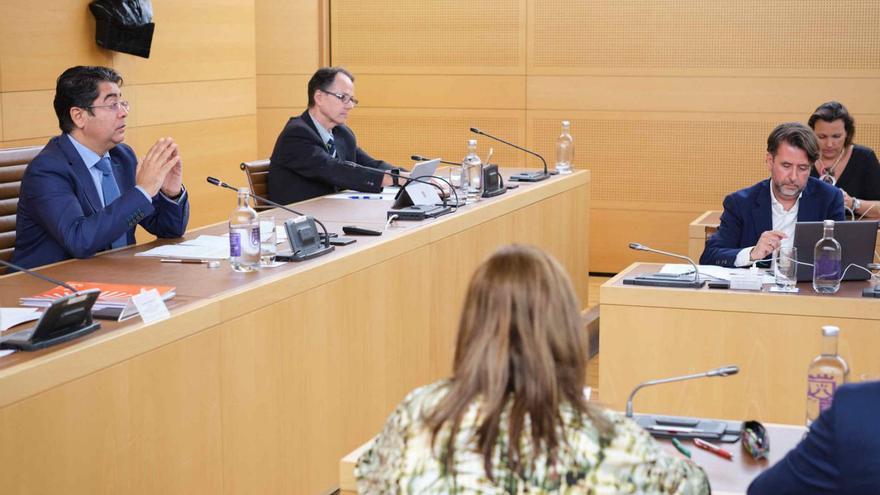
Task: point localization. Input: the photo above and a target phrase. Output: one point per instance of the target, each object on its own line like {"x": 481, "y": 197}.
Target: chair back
{"x": 13, "y": 161}
{"x": 257, "y": 173}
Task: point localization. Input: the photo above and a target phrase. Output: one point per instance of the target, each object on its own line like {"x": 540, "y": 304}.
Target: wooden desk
{"x": 726, "y": 477}
{"x": 259, "y": 383}
{"x": 650, "y": 333}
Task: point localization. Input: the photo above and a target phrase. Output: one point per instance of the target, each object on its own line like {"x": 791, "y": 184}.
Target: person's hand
{"x": 767, "y": 243}
{"x": 445, "y": 191}
{"x": 174, "y": 180}
{"x": 847, "y": 199}
{"x": 154, "y": 167}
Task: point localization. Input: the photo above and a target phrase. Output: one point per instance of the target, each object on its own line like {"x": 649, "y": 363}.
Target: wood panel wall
{"x": 670, "y": 101}
{"x": 198, "y": 86}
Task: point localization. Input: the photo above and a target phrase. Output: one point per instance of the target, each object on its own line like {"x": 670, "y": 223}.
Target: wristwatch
{"x": 856, "y": 204}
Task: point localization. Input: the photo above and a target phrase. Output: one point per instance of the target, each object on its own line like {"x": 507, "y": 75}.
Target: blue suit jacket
{"x": 747, "y": 215}
{"x": 60, "y": 214}
{"x": 841, "y": 454}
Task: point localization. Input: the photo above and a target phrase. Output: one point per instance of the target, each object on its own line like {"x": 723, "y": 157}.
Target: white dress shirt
{"x": 783, "y": 221}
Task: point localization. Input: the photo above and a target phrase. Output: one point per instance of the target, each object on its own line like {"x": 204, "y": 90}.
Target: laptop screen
{"x": 857, "y": 240}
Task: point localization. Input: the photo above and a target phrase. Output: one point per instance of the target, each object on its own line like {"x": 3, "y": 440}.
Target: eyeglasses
{"x": 114, "y": 107}
{"x": 344, "y": 98}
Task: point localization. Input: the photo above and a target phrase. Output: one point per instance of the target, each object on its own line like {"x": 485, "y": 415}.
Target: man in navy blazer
{"x": 86, "y": 192}
{"x": 841, "y": 453}
{"x": 759, "y": 219}
{"x": 310, "y": 155}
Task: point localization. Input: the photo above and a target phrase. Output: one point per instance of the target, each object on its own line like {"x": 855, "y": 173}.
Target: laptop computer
{"x": 419, "y": 193}
{"x": 857, "y": 240}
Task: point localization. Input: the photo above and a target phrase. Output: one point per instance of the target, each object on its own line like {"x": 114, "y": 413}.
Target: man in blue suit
{"x": 759, "y": 219}
{"x": 841, "y": 453}
{"x": 86, "y": 192}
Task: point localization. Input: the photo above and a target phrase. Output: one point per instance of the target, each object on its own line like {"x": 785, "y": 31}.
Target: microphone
{"x": 720, "y": 372}
{"x": 524, "y": 176}
{"x": 38, "y": 275}
{"x": 683, "y": 427}
{"x": 420, "y": 158}
{"x": 301, "y": 232}
{"x": 411, "y": 179}
{"x": 665, "y": 279}
{"x": 66, "y": 318}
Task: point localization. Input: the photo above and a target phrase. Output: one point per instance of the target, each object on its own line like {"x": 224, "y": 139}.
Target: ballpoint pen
{"x": 699, "y": 442}
{"x": 681, "y": 448}
{"x": 182, "y": 260}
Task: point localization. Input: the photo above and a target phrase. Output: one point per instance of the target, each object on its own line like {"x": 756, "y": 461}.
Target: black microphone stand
{"x": 295, "y": 229}
{"x": 524, "y": 176}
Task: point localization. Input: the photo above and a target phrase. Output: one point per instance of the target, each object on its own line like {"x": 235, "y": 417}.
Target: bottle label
{"x": 821, "y": 388}
{"x": 234, "y": 244}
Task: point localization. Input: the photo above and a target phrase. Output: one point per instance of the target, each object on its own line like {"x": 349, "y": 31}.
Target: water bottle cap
{"x": 830, "y": 331}
{"x": 472, "y": 142}
{"x": 828, "y": 223}
{"x": 565, "y": 123}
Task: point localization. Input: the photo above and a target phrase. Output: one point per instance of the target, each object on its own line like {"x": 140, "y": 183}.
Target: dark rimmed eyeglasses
{"x": 344, "y": 98}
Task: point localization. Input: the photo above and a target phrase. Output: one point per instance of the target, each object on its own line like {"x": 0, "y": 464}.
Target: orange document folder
{"x": 112, "y": 295}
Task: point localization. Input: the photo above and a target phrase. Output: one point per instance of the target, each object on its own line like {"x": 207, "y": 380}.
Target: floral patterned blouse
{"x": 401, "y": 459}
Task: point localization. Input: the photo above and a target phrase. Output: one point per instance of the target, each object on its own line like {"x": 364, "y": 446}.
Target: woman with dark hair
{"x": 851, "y": 167}
{"x": 513, "y": 418}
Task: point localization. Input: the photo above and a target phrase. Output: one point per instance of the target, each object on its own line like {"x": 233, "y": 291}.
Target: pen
{"x": 181, "y": 260}
{"x": 699, "y": 442}
{"x": 681, "y": 448}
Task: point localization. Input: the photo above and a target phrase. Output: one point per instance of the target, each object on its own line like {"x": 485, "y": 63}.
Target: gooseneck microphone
{"x": 525, "y": 176}
{"x": 67, "y": 317}
{"x": 217, "y": 182}
{"x": 301, "y": 231}
{"x": 38, "y": 275}
{"x": 665, "y": 279}
{"x": 420, "y": 158}
{"x": 719, "y": 372}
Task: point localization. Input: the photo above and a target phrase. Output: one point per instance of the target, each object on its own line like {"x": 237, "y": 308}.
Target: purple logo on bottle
{"x": 234, "y": 244}
{"x": 821, "y": 388}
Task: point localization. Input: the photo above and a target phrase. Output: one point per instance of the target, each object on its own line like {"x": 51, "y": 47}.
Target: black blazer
{"x": 301, "y": 166}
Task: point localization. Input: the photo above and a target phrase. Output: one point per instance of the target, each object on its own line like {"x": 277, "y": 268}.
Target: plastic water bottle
{"x": 244, "y": 235}
{"x": 827, "y": 372}
{"x": 472, "y": 173}
{"x": 826, "y": 262}
{"x": 564, "y": 150}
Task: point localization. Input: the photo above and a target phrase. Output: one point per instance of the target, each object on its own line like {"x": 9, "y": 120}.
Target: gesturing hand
{"x": 161, "y": 168}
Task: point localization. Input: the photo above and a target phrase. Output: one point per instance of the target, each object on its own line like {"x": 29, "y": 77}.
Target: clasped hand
{"x": 161, "y": 169}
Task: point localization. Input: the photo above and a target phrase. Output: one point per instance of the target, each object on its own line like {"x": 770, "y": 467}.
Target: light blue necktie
{"x": 111, "y": 191}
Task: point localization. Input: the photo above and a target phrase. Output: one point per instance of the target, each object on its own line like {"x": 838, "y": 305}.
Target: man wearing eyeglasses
{"x": 310, "y": 155}
{"x": 86, "y": 191}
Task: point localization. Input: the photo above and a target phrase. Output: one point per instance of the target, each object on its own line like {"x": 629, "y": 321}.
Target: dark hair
{"x": 323, "y": 79}
{"x": 797, "y": 135}
{"x": 831, "y": 111}
{"x": 78, "y": 87}
{"x": 521, "y": 340}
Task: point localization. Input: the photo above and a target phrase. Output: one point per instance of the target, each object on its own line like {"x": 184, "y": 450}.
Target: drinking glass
{"x": 267, "y": 241}
{"x": 785, "y": 269}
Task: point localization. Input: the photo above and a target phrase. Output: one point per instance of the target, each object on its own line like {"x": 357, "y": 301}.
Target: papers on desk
{"x": 10, "y": 317}
{"x": 715, "y": 272}
{"x": 203, "y": 247}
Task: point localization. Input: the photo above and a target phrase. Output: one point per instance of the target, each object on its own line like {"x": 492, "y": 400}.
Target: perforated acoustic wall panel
{"x": 394, "y": 136}
{"x": 807, "y": 36}
{"x": 671, "y": 101}
{"x": 408, "y": 36}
